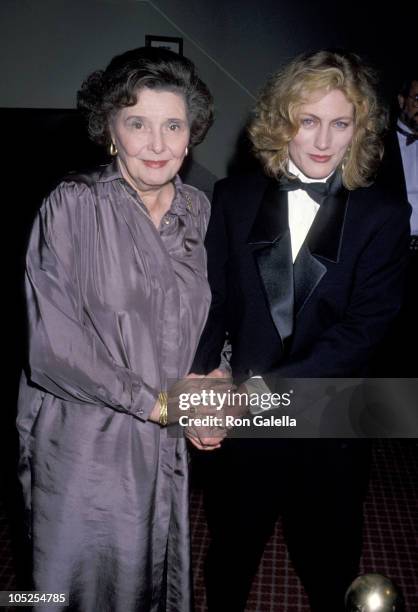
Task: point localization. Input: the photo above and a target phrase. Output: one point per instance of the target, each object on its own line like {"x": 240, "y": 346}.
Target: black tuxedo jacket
{"x": 322, "y": 316}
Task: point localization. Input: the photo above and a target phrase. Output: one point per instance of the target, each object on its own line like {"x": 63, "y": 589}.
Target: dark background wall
{"x": 49, "y": 46}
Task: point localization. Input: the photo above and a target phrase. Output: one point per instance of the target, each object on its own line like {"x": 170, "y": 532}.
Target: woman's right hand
{"x": 218, "y": 373}
{"x": 217, "y": 381}
{"x": 208, "y": 438}
{"x": 155, "y": 413}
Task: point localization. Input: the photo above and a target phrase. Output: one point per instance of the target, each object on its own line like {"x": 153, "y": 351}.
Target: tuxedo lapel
{"x": 288, "y": 286}
{"x": 325, "y": 235}
{"x": 270, "y": 236}
{"x": 308, "y": 271}
{"x": 272, "y": 219}
{"x": 324, "y": 240}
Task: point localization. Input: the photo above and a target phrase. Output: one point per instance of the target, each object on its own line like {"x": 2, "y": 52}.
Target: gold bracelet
{"x": 163, "y": 399}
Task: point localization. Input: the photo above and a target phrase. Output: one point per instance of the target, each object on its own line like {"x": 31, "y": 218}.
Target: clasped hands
{"x": 210, "y": 436}
{"x": 196, "y": 397}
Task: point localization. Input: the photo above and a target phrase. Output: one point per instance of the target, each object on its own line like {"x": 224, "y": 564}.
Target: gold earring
{"x": 112, "y": 149}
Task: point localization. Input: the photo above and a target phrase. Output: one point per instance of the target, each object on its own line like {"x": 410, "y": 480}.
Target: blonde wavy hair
{"x": 275, "y": 120}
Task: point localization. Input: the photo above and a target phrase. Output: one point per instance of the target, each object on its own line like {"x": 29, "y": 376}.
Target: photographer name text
{"x": 232, "y": 421}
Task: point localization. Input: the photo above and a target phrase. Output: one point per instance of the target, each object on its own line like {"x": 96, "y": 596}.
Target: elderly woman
{"x": 306, "y": 268}
{"x": 117, "y": 297}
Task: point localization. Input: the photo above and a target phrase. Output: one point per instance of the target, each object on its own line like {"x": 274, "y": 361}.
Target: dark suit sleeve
{"x": 345, "y": 348}
{"x": 212, "y": 341}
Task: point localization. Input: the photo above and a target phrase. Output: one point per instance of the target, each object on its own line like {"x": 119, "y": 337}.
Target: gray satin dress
{"x": 115, "y": 310}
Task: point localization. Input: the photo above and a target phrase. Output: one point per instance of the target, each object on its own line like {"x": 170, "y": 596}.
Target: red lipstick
{"x": 154, "y": 164}
{"x": 322, "y": 159}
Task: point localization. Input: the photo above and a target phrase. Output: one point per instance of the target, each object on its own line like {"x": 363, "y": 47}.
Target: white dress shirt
{"x": 302, "y": 210}
{"x": 410, "y": 168}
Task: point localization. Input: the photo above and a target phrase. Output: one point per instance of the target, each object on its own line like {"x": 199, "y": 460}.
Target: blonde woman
{"x": 306, "y": 269}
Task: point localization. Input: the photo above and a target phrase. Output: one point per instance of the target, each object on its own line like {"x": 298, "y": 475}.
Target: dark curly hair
{"x": 104, "y": 92}
{"x": 405, "y": 87}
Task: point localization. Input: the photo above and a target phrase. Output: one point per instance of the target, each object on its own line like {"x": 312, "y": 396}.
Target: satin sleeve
{"x": 65, "y": 358}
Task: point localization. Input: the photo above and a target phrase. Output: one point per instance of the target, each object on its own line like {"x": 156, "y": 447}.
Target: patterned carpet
{"x": 390, "y": 538}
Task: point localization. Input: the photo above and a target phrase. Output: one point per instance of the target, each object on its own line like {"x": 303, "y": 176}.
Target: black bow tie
{"x": 317, "y": 191}
{"x": 410, "y": 137}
